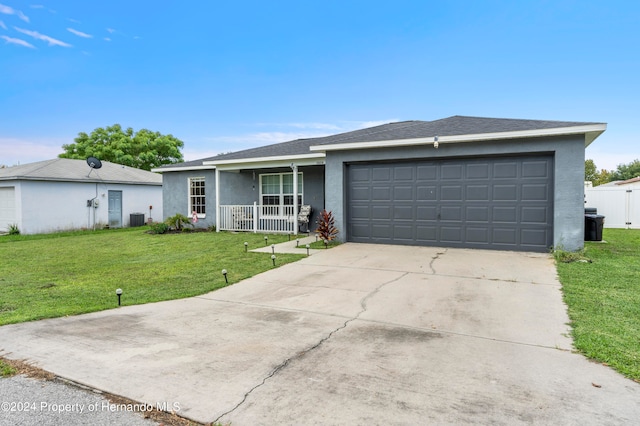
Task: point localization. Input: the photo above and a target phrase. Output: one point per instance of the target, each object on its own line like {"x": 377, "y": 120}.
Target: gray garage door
{"x": 495, "y": 203}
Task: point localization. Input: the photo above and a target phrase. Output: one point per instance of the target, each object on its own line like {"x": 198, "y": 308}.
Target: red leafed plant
{"x": 326, "y": 229}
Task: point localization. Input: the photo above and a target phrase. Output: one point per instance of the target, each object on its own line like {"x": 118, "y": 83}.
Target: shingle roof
{"x": 451, "y": 126}
{"x": 67, "y": 170}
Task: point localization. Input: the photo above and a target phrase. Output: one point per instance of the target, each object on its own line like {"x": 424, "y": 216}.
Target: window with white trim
{"x": 197, "y": 196}
{"x": 276, "y": 193}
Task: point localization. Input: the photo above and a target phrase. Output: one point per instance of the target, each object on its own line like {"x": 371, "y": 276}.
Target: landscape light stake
{"x": 273, "y": 249}
{"x": 246, "y": 245}
{"x": 273, "y": 259}
{"x": 266, "y": 239}
{"x": 297, "y": 241}
{"x": 224, "y": 272}
{"x": 326, "y": 243}
{"x": 307, "y": 249}
{"x": 119, "y": 294}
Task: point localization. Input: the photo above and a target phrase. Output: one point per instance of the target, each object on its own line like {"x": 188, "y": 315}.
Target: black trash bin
{"x": 593, "y": 225}
{"x": 136, "y": 219}
{"x": 590, "y": 210}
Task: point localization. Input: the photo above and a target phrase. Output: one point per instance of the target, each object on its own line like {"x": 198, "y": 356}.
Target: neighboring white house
{"x": 63, "y": 194}
{"x": 618, "y": 202}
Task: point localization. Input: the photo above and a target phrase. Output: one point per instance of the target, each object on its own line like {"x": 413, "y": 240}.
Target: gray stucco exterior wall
{"x": 175, "y": 195}
{"x": 568, "y": 152}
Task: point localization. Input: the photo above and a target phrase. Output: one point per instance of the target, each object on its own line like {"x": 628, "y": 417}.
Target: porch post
{"x": 295, "y": 198}
{"x": 255, "y": 217}
{"x": 217, "y": 200}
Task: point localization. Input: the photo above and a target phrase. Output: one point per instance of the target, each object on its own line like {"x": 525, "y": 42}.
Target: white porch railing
{"x": 254, "y": 218}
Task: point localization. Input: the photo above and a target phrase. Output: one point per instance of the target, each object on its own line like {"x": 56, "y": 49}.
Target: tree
{"x": 597, "y": 177}
{"x": 143, "y": 149}
{"x": 626, "y": 171}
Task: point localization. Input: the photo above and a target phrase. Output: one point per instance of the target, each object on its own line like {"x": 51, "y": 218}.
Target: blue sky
{"x": 225, "y": 76}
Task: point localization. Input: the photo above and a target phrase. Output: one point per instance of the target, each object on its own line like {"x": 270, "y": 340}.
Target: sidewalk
{"x": 290, "y": 246}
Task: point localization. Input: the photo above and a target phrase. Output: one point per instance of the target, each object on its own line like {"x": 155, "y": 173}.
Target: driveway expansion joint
{"x": 282, "y": 365}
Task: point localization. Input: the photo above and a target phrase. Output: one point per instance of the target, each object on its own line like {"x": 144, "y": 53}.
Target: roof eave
{"x": 269, "y": 162}
{"x": 591, "y": 132}
{"x": 182, "y": 169}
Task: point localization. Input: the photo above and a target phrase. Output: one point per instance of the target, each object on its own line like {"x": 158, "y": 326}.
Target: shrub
{"x": 178, "y": 221}
{"x": 13, "y": 229}
{"x": 158, "y": 228}
{"x": 326, "y": 226}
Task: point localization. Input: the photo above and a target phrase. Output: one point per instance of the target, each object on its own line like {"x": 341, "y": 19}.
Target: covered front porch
{"x": 272, "y": 196}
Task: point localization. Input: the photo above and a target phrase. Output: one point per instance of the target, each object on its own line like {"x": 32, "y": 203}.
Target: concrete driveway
{"x": 359, "y": 334}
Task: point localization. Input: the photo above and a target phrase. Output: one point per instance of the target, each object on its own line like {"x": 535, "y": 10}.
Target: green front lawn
{"x": 603, "y": 298}
{"x": 45, "y": 276}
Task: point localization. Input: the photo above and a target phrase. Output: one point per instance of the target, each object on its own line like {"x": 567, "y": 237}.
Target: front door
{"x": 115, "y": 209}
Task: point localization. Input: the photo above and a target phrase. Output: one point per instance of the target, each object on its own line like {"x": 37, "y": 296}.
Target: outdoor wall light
{"x": 265, "y": 240}
{"x": 224, "y": 272}
{"x": 119, "y": 294}
{"x": 246, "y": 246}
{"x": 273, "y": 259}
{"x": 308, "y": 249}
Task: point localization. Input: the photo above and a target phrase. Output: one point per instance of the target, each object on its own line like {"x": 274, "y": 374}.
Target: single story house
{"x": 618, "y": 202}
{"x": 494, "y": 183}
{"x": 64, "y": 194}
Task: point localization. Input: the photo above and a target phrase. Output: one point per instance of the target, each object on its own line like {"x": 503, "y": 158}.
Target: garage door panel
{"x": 477, "y": 235}
{"x": 426, "y": 233}
{"x": 452, "y": 171}
{"x": 477, "y": 213}
{"x": 534, "y": 215}
{"x": 505, "y": 236}
{"x": 451, "y": 193}
{"x": 403, "y": 193}
{"x": 448, "y": 213}
{"x": 426, "y": 213}
{"x": 505, "y": 214}
{"x": 361, "y": 194}
{"x": 535, "y": 169}
{"x": 403, "y": 232}
{"x": 381, "y": 174}
{"x": 505, "y": 193}
{"x": 478, "y": 171}
{"x": 450, "y": 234}
{"x": 505, "y": 170}
{"x": 499, "y": 202}
{"x": 426, "y": 193}
{"x": 533, "y": 237}
{"x": 403, "y": 173}
{"x": 381, "y": 193}
{"x": 427, "y": 172}
{"x": 477, "y": 193}
{"x": 403, "y": 213}
{"x": 381, "y": 213}
{"x": 534, "y": 192}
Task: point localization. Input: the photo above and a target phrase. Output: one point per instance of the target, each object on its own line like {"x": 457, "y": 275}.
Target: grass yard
{"x": 603, "y": 298}
{"x": 45, "y": 276}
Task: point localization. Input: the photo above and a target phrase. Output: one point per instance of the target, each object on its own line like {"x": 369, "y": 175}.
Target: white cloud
{"x": 22, "y": 151}
{"x": 11, "y": 40}
{"x": 11, "y": 11}
{"x": 111, "y": 30}
{"x": 2, "y": 25}
{"x": 79, "y": 33}
{"x": 51, "y": 41}
{"x": 36, "y": 6}
{"x": 106, "y": 39}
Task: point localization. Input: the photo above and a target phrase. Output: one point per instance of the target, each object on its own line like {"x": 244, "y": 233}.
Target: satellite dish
{"x": 94, "y": 163}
